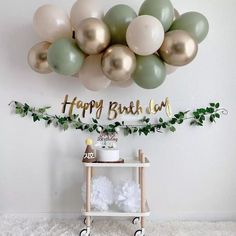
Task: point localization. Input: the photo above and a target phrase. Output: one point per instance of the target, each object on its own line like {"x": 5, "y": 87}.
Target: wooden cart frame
{"x": 140, "y": 164}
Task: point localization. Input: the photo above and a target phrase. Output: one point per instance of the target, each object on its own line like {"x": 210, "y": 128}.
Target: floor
{"x": 13, "y": 226}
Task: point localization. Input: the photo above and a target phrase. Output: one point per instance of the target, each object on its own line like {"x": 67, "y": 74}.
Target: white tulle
{"x": 127, "y": 196}
{"x": 101, "y": 195}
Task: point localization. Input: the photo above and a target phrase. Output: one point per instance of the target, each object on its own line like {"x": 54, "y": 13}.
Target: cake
{"x": 104, "y": 154}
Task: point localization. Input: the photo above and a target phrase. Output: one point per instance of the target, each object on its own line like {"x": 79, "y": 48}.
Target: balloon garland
{"x": 197, "y": 118}
{"x": 120, "y": 46}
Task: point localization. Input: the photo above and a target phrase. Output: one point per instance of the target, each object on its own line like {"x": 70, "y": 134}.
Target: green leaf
{"x": 177, "y": 116}
{"x": 95, "y": 121}
{"x": 210, "y": 109}
{"x": 217, "y": 105}
{"x": 202, "y": 117}
{"x": 160, "y": 120}
{"x": 196, "y": 115}
{"x": 212, "y": 104}
{"x": 35, "y": 117}
{"x": 172, "y": 129}
{"x": 135, "y": 130}
{"x": 49, "y": 122}
{"x": 163, "y": 125}
{"x": 153, "y": 129}
{"x": 117, "y": 123}
{"x": 217, "y": 115}
{"x": 212, "y": 118}
{"x": 65, "y": 126}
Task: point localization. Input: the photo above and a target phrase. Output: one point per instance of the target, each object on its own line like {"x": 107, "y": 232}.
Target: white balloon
{"x": 145, "y": 35}
{"x": 91, "y": 74}
{"x": 51, "y": 23}
{"x": 123, "y": 84}
{"x": 170, "y": 69}
{"x": 83, "y": 9}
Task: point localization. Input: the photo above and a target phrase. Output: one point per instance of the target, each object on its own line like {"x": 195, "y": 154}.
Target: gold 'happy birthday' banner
{"x": 114, "y": 109}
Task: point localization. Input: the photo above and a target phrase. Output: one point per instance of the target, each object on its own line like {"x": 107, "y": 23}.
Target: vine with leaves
{"x": 196, "y": 118}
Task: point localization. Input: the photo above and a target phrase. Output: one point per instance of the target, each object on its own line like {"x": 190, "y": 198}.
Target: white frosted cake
{"x": 107, "y": 154}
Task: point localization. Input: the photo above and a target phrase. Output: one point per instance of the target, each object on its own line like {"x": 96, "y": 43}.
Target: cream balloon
{"x": 123, "y": 84}
{"x": 144, "y": 35}
{"x": 170, "y": 69}
{"x": 91, "y": 74}
{"x": 83, "y": 9}
{"x": 51, "y": 23}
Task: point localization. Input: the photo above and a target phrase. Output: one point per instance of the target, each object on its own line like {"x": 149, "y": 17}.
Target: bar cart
{"x": 140, "y": 164}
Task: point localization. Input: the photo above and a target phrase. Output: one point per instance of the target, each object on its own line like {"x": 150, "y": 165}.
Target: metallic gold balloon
{"x": 92, "y": 36}
{"x": 37, "y": 58}
{"x": 118, "y": 63}
{"x": 179, "y": 48}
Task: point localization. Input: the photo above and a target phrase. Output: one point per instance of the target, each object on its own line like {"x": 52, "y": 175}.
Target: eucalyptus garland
{"x": 196, "y": 118}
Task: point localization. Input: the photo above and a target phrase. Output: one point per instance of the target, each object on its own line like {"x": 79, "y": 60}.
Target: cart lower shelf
{"x": 113, "y": 212}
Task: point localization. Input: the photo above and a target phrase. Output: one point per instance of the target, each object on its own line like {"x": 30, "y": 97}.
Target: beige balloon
{"x": 170, "y": 69}
{"x": 92, "y": 36}
{"x": 176, "y": 14}
{"x": 179, "y": 48}
{"x": 144, "y": 35}
{"x": 118, "y": 63}
{"x": 83, "y": 9}
{"x": 37, "y": 58}
{"x": 52, "y": 23}
{"x": 123, "y": 84}
{"x": 91, "y": 74}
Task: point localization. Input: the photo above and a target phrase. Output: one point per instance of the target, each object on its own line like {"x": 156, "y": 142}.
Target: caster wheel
{"x": 135, "y": 220}
{"x": 85, "y": 221}
{"x": 139, "y": 233}
{"x": 83, "y": 232}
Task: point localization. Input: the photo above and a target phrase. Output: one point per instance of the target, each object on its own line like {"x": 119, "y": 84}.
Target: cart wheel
{"x": 83, "y": 232}
{"x": 85, "y": 221}
{"x": 135, "y": 220}
{"x": 139, "y": 233}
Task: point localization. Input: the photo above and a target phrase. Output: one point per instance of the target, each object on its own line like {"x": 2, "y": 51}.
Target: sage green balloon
{"x": 194, "y": 23}
{"x": 163, "y": 10}
{"x": 64, "y": 56}
{"x": 150, "y": 71}
{"x": 117, "y": 19}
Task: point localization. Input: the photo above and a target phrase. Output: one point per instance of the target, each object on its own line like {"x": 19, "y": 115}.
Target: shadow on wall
{"x": 65, "y": 177}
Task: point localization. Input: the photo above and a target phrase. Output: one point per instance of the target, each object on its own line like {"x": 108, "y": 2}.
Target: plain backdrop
{"x": 193, "y": 171}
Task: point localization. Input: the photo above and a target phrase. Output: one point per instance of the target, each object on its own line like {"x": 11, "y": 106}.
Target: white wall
{"x": 193, "y": 173}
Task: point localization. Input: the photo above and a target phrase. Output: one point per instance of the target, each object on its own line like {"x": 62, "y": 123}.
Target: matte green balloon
{"x": 163, "y": 10}
{"x": 117, "y": 19}
{"x": 64, "y": 56}
{"x": 194, "y": 23}
{"x": 150, "y": 71}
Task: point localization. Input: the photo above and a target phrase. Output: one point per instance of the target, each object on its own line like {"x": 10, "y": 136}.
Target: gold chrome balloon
{"x": 118, "y": 63}
{"x": 179, "y": 48}
{"x": 92, "y": 36}
{"x": 37, "y": 58}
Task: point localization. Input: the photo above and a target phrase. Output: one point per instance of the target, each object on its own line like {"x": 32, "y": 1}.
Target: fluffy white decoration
{"x": 101, "y": 193}
{"x": 127, "y": 196}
